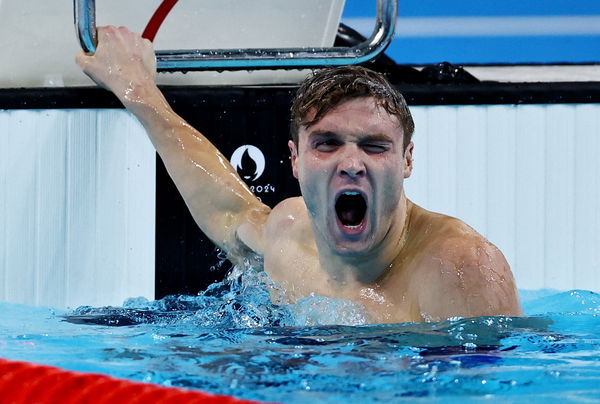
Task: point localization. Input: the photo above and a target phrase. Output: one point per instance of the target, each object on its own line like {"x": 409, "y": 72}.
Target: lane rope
{"x": 26, "y": 383}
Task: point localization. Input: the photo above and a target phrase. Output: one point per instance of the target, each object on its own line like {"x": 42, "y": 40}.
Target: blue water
{"x": 233, "y": 340}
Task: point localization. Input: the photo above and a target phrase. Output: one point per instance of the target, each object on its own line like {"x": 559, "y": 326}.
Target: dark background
{"x": 185, "y": 259}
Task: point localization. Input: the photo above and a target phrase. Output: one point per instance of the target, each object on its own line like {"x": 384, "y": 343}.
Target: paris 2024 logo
{"x": 249, "y": 162}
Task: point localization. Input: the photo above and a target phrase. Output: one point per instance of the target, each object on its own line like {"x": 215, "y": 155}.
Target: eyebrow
{"x": 322, "y": 133}
{"x": 377, "y": 137}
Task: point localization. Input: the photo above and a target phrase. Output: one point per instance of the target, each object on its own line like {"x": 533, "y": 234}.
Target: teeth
{"x": 352, "y": 227}
{"x": 351, "y": 193}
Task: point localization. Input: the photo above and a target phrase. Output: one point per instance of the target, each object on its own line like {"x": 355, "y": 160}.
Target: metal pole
{"x": 252, "y": 59}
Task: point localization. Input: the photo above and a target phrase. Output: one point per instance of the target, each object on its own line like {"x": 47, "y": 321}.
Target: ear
{"x": 293, "y": 158}
{"x": 408, "y": 160}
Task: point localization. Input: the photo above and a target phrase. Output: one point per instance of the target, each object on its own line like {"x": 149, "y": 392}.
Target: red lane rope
{"x": 25, "y": 383}
{"x": 157, "y": 19}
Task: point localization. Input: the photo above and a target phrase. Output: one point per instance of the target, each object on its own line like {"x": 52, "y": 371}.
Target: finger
{"x": 83, "y": 59}
{"x": 105, "y": 30}
{"x": 105, "y": 34}
{"x": 101, "y": 32}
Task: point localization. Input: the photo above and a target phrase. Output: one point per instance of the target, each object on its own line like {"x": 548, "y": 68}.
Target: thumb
{"x": 85, "y": 62}
{"x": 83, "y": 59}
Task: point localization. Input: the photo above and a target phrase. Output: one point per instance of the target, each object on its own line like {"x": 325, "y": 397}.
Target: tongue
{"x": 350, "y": 216}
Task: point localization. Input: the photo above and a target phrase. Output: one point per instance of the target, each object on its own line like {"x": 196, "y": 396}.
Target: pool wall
{"x": 80, "y": 224}
{"x": 77, "y": 207}
{"x": 526, "y": 176}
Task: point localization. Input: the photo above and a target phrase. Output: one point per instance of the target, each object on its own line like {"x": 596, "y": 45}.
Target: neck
{"x": 366, "y": 268}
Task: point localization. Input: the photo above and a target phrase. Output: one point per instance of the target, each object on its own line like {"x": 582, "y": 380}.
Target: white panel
{"x": 526, "y": 177}
{"x": 126, "y": 218}
{"x": 529, "y": 261}
{"x": 559, "y": 196}
{"x": 3, "y": 201}
{"x": 141, "y": 198}
{"x": 586, "y": 245}
{"x": 21, "y": 205}
{"x": 110, "y": 212}
{"x": 52, "y": 160}
{"x": 501, "y": 175}
{"x": 81, "y": 240}
{"x": 77, "y": 200}
{"x": 471, "y": 159}
{"x": 442, "y": 159}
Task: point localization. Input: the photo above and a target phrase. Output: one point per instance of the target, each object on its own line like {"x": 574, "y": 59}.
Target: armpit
{"x": 250, "y": 232}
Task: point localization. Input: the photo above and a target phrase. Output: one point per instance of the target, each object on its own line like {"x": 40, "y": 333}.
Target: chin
{"x": 351, "y": 248}
{"x": 351, "y": 251}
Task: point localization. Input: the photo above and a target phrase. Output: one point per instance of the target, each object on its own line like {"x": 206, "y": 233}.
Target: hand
{"x": 124, "y": 63}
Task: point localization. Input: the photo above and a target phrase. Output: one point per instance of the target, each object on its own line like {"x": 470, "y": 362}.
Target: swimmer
{"x": 353, "y": 234}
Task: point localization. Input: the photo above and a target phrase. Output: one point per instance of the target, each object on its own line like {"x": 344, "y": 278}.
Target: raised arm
{"x": 220, "y": 202}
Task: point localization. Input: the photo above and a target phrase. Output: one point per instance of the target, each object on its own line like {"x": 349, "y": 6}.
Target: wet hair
{"x": 325, "y": 89}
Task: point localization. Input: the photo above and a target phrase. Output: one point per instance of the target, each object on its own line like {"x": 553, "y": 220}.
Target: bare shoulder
{"x": 470, "y": 273}
{"x": 263, "y": 228}
{"x": 288, "y": 219}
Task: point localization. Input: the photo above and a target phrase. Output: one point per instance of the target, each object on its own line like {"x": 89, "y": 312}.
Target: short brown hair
{"x": 327, "y": 88}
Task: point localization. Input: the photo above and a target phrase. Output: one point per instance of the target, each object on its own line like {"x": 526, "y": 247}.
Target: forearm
{"x": 220, "y": 202}
{"x": 216, "y": 196}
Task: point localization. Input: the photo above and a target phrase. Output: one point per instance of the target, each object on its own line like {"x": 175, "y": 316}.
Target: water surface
{"x": 233, "y": 340}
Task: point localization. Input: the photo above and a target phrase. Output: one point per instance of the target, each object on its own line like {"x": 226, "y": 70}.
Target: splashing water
{"x": 247, "y": 298}
{"x": 239, "y": 338}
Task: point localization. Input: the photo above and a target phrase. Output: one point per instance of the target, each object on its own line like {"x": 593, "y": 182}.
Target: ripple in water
{"x": 239, "y": 337}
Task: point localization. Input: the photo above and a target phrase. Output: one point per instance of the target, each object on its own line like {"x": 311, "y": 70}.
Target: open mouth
{"x": 351, "y": 208}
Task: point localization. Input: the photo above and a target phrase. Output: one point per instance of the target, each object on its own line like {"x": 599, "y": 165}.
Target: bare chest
{"x": 299, "y": 272}
{"x": 296, "y": 268}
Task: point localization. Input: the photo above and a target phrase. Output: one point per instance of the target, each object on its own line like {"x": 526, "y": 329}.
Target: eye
{"x": 327, "y": 145}
{"x": 374, "y": 148}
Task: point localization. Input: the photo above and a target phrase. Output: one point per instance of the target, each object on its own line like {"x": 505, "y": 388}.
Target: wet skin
{"x": 402, "y": 262}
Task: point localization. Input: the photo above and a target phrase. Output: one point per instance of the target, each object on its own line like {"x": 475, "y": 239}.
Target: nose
{"x": 351, "y": 164}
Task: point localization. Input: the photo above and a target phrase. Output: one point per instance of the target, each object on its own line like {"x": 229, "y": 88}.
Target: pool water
{"x": 233, "y": 340}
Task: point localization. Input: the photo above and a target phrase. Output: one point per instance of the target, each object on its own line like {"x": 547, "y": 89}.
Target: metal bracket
{"x": 253, "y": 59}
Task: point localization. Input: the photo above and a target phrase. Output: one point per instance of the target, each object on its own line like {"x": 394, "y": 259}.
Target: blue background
{"x": 580, "y": 47}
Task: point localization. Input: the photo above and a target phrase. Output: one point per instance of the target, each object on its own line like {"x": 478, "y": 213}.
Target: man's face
{"x": 351, "y": 167}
